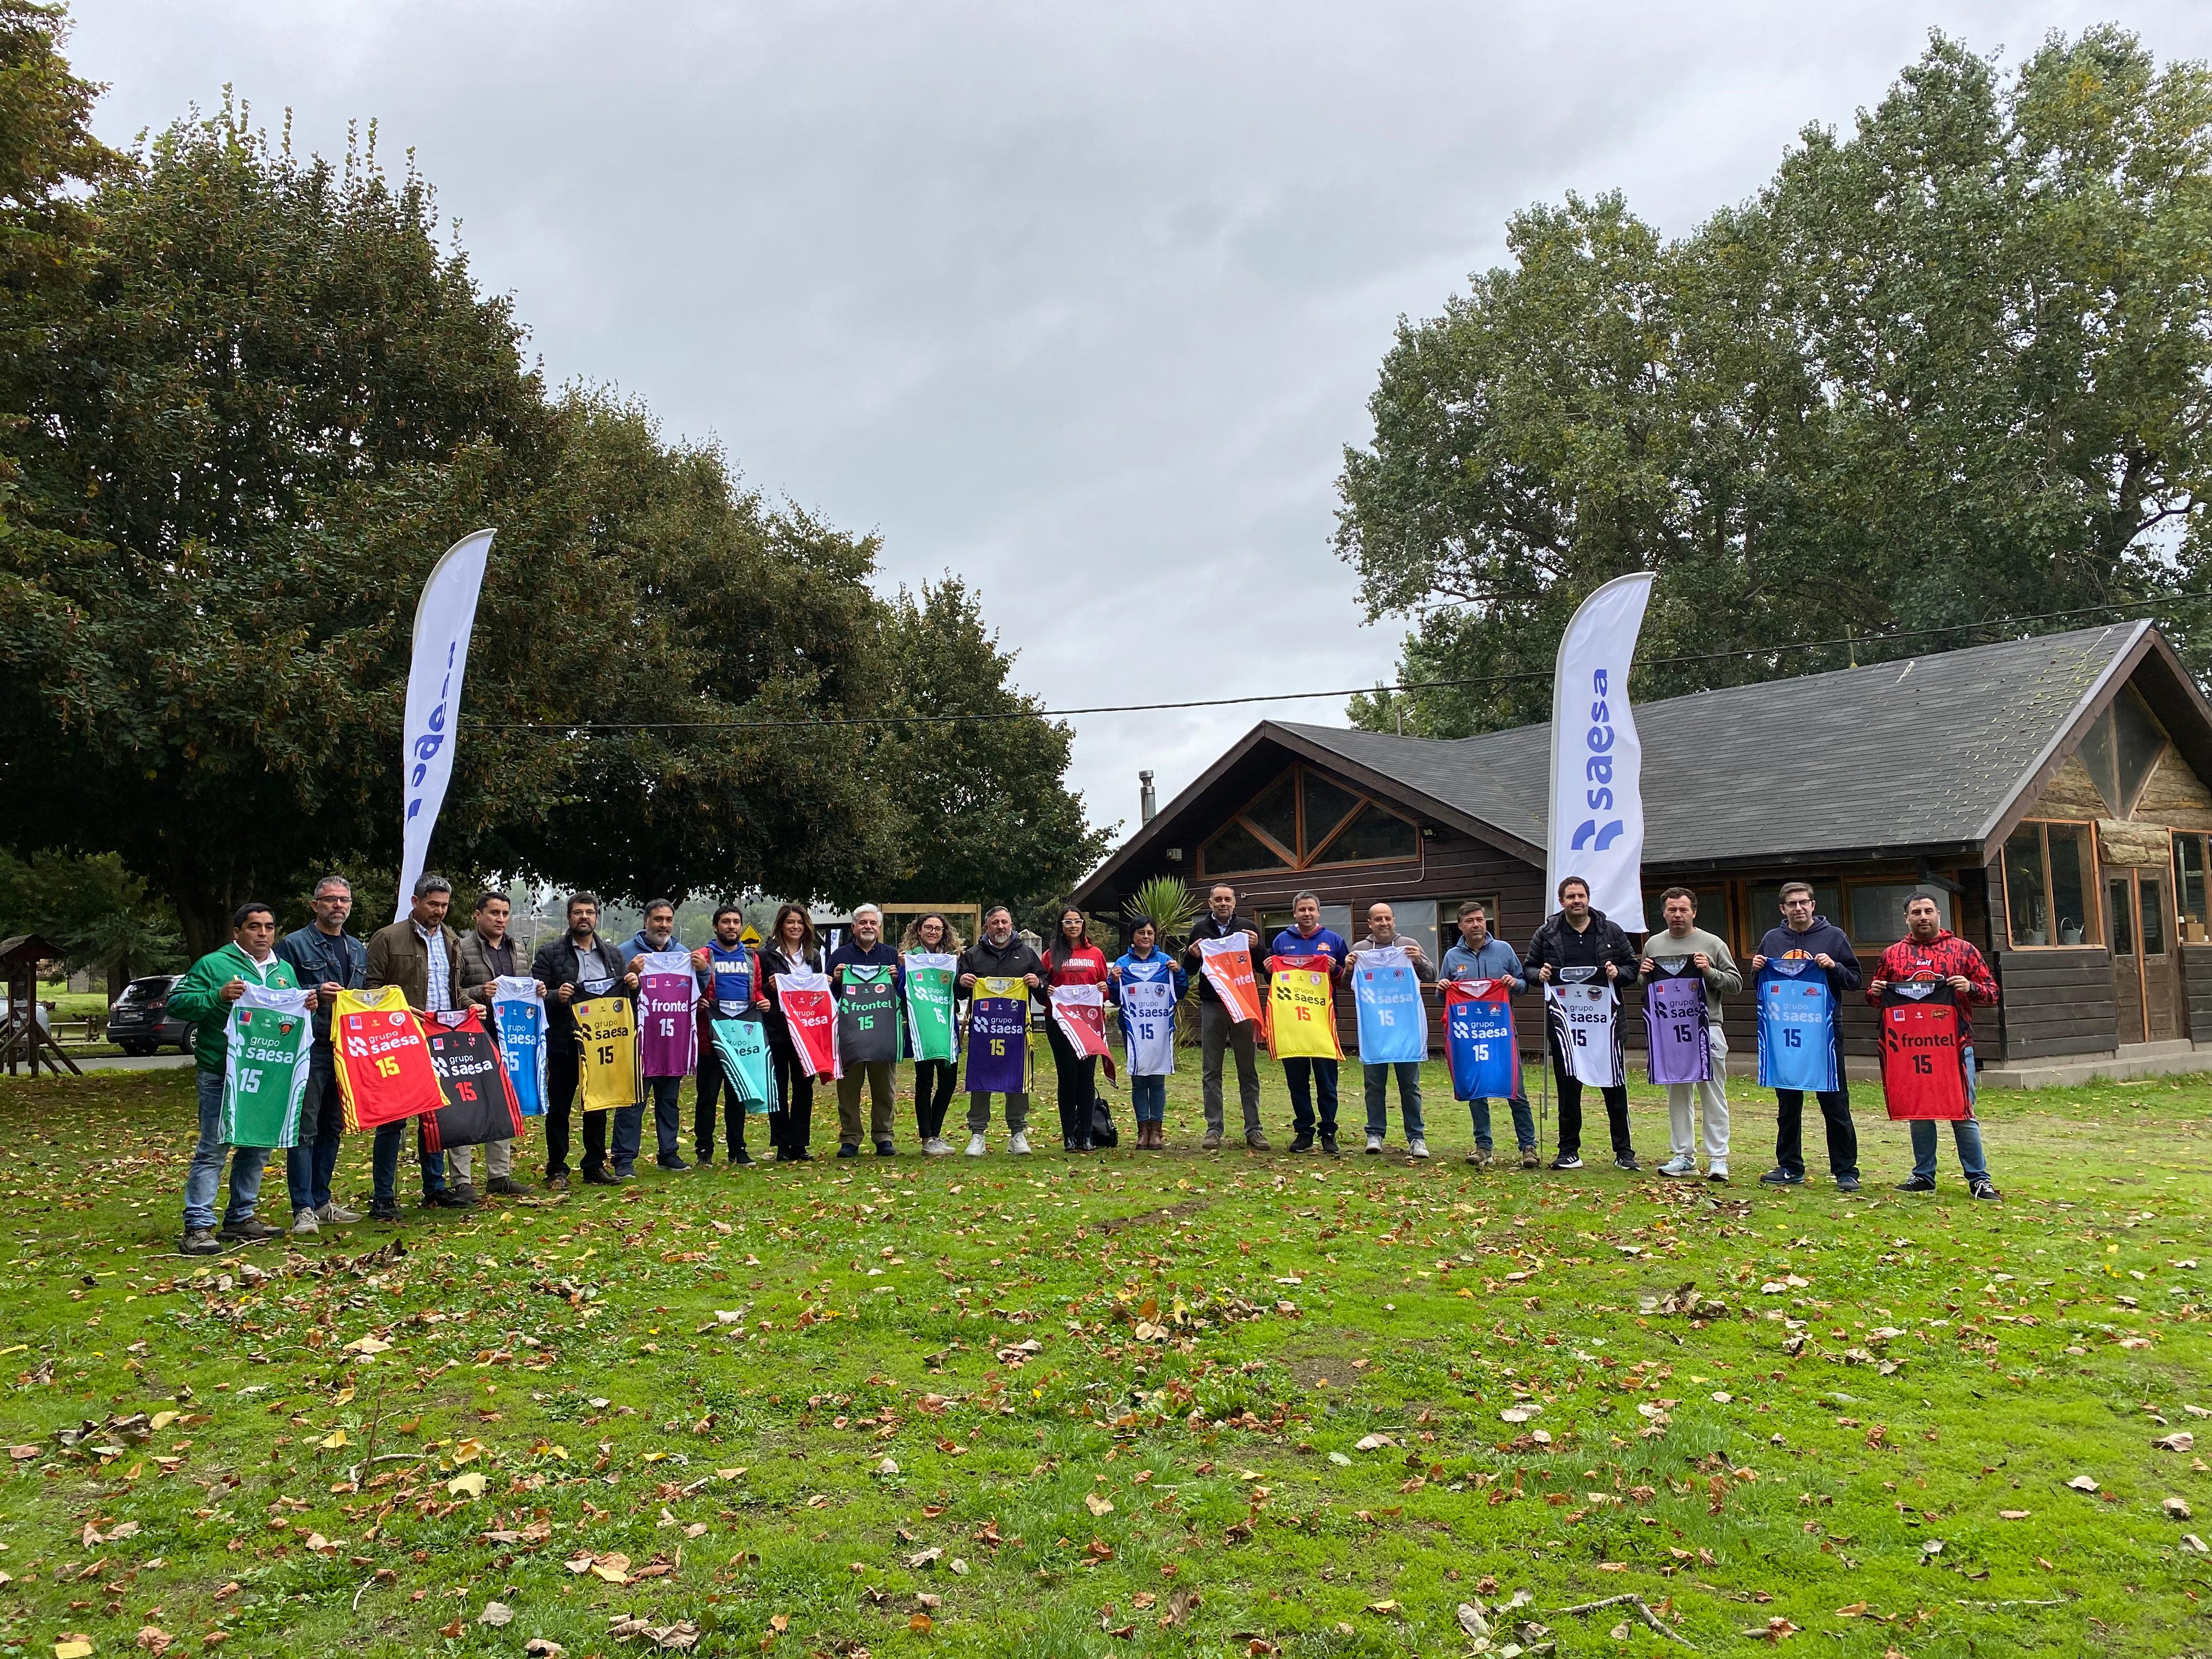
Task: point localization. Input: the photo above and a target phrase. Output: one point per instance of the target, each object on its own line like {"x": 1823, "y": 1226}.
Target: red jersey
{"x": 1084, "y": 965}
{"x": 1941, "y": 957}
{"x": 1923, "y": 1071}
{"x": 384, "y": 1066}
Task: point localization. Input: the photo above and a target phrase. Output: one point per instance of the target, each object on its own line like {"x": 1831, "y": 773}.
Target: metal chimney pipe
{"x": 1148, "y": 803}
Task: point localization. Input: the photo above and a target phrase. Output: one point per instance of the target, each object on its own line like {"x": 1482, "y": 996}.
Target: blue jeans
{"x": 1306, "y": 1078}
{"x": 1409, "y": 1097}
{"x": 1524, "y": 1122}
{"x": 667, "y": 1094}
{"x": 204, "y": 1176}
{"x": 1966, "y": 1131}
{"x": 629, "y": 1137}
{"x": 309, "y": 1166}
{"x": 384, "y": 1164}
{"x": 1148, "y": 1097}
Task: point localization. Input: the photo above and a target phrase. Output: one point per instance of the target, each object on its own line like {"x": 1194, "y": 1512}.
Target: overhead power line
{"x": 1855, "y": 642}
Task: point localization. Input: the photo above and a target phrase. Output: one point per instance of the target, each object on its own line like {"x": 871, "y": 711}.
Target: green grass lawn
{"x": 1134, "y": 1403}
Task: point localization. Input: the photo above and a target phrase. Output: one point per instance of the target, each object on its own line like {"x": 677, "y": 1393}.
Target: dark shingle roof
{"x": 1915, "y": 753}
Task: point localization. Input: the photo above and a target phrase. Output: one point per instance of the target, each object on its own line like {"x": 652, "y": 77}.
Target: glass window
{"x": 1327, "y": 805}
{"x": 2154, "y": 914}
{"x": 1375, "y": 834}
{"x": 2189, "y": 884}
{"x": 1762, "y": 904}
{"x": 1417, "y": 920}
{"x": 2098, "y": 758}
{"x": 2026, "y": 904}
{"x": 2120, "y": 914}
{"x": 1237, "y": 849}
{"x": 1275, "y": 814}
{"x": 2137, "y": 742}
{"x": 1878, "y": 910}
{"x": 2071, "y": 862}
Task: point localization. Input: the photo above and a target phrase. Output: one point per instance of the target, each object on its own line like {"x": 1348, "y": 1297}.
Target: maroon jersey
{"x": 1922, "y": 1072}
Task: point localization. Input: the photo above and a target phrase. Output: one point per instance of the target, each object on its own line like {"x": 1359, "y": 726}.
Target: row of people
{"x": 438, "y": 968}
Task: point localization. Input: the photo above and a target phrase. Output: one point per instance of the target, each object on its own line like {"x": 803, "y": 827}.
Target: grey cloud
{"x": 1080, "y": 301}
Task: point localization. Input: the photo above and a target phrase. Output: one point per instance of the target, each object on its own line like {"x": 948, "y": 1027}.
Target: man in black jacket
{"x": 1578, "y": 945}
{"x": 579, "y": 965}
{"x": 1805, "y": 934}
{"x": 999, "y": 954}
{"x": 1217, "y": 1028}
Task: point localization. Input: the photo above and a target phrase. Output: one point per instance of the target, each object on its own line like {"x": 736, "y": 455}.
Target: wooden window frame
{"x": 2173, "y": 873}
{"x": 1293, "y": 864}
{"x": 2090, "y": 879}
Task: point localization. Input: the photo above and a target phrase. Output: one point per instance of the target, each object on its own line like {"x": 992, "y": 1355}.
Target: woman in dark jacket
{"x": 790, "y": 949}
{"x": 1072, "y": 960}
{"x": 934, "y": 1080}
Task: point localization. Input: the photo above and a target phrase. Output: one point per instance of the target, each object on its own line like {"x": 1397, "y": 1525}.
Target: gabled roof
{"x": 1913, "y": 756}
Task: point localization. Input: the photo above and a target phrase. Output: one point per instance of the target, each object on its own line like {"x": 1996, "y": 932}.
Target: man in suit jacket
{"x": 420, "y": 954}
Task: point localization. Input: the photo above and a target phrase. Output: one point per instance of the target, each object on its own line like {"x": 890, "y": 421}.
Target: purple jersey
{"x": 1680, "y": 1021}
{"x": 667, "y": 1041}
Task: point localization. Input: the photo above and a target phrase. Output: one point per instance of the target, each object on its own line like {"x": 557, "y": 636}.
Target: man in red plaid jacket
{"x": 1930, "y": 951}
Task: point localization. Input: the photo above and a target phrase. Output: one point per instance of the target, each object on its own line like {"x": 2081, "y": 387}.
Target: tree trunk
{"x": 205, "y": 918}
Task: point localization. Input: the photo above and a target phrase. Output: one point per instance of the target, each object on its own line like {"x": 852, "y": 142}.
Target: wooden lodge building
{"x": 2052, "y": 789}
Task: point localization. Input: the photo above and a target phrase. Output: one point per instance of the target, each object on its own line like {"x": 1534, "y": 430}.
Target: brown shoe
{"x": 1211, "y": 1142}
{"x": 1158, "y": 1134}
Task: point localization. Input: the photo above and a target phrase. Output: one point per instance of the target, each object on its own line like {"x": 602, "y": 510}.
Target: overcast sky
{"x": 1080, "y": 301}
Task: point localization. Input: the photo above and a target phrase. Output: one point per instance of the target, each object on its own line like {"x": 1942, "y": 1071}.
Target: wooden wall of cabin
{"x": 2080, "y": 1000}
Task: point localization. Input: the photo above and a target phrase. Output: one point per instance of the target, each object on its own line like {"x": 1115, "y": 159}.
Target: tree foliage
{"x": 273, "y": 401}
{"x": 985, "y": 816}
{"x": 1956, "y": 365}
{"x": 100, "y": 914}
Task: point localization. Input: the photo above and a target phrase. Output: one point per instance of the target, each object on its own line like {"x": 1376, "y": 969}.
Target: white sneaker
{"x": 337, "y": 1214}
{"x": 1374, "y": 1143}
{"x": 1680, "y": 1164}
{"x": 1019, "y": 1144}
{"x": 936, "y": 1146}
{"x": 1717, "y": 1171}
{"x": 976, "y": 1145}
{"x": 303, "y": 1223}
{"x": 1417, "y": 1147}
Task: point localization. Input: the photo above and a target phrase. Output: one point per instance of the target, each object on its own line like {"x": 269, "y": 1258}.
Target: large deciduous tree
{"x": 1956, "y": 365}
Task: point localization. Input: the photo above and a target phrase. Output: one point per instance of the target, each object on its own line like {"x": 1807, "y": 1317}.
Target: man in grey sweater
{"x": 1686, "y": 948}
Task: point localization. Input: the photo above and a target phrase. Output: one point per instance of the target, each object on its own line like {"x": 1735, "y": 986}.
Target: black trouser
{"x": 1305, "y": 1078}
{"x": 792, "y": 1125}
{"x": 1078, "y": 1076}
{"x": 1570, "y": 1111}
{"x": 933, "y": 1081}
{"x": 1789, "y": 1131}
{"x": 714, "y": 1086}
{"x": 563, "y": 1073}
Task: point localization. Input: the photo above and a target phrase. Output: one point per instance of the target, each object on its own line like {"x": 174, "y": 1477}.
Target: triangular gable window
{"x": 1304, "y": 818}
{"x": 2120, "y": 750}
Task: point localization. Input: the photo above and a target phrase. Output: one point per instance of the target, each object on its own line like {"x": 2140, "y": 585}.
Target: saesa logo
{"x": 1597, "y": 771}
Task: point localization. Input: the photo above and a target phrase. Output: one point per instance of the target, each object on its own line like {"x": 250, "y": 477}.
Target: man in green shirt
{"x": 204, "y": 996}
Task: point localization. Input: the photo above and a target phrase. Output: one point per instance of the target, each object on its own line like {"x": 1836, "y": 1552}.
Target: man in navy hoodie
{"x": 1804, "y": 934}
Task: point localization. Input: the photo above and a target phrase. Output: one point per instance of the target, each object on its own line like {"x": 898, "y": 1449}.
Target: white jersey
{"x": 1586, "y": 1032}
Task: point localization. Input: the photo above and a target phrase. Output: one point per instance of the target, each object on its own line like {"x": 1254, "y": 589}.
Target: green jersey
{"x": 265, "y": 1075}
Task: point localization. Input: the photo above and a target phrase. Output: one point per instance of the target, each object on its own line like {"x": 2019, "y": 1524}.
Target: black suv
{"x": 140, "y": 1022}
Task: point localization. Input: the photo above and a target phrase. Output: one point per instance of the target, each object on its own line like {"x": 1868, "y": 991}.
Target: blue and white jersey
{"x": 1796, "y": 1026}
{"x": 728, "y": 978}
